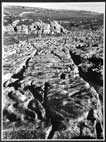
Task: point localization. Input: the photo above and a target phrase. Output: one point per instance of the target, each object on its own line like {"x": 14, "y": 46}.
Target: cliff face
{"x": 54, "y": 90}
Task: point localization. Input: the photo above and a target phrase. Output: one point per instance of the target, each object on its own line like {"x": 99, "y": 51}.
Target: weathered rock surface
{"x": 87, "y": 54}
{"x": 47, "y": 97}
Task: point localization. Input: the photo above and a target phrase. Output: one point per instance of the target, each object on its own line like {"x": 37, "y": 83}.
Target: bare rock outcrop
{"x": 48, "y": 97}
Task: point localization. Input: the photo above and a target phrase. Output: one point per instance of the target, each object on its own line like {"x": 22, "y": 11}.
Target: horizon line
{"x": 97, "y": 7}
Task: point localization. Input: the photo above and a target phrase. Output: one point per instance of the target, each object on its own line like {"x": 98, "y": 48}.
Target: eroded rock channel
{"x": 53, "y": 90}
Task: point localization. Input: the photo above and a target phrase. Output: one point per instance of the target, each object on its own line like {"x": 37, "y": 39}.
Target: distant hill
{"x": 68, "y": 18}
{"x": 47, "y": 13}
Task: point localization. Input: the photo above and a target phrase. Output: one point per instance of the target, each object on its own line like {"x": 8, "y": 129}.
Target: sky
{"x": 88, "y": 6}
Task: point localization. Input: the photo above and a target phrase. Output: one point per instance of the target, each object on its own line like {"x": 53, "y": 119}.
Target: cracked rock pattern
{"x": 48, "y": 91}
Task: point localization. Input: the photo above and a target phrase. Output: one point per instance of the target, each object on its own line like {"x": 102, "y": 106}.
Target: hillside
{"x": 60, "y": 15}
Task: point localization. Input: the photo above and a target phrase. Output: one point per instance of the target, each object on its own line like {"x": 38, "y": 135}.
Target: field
{"x": 53, "y": 83}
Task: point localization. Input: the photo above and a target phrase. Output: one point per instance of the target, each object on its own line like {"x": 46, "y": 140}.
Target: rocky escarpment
{"x": 47, "y": 97}
{"x": 89, "y": 61}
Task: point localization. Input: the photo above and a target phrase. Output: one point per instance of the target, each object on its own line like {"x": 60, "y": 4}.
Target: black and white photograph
{"x": 53, "y": 56}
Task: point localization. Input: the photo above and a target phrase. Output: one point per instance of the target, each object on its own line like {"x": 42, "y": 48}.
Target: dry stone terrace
{"x": 46, "y": 90}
